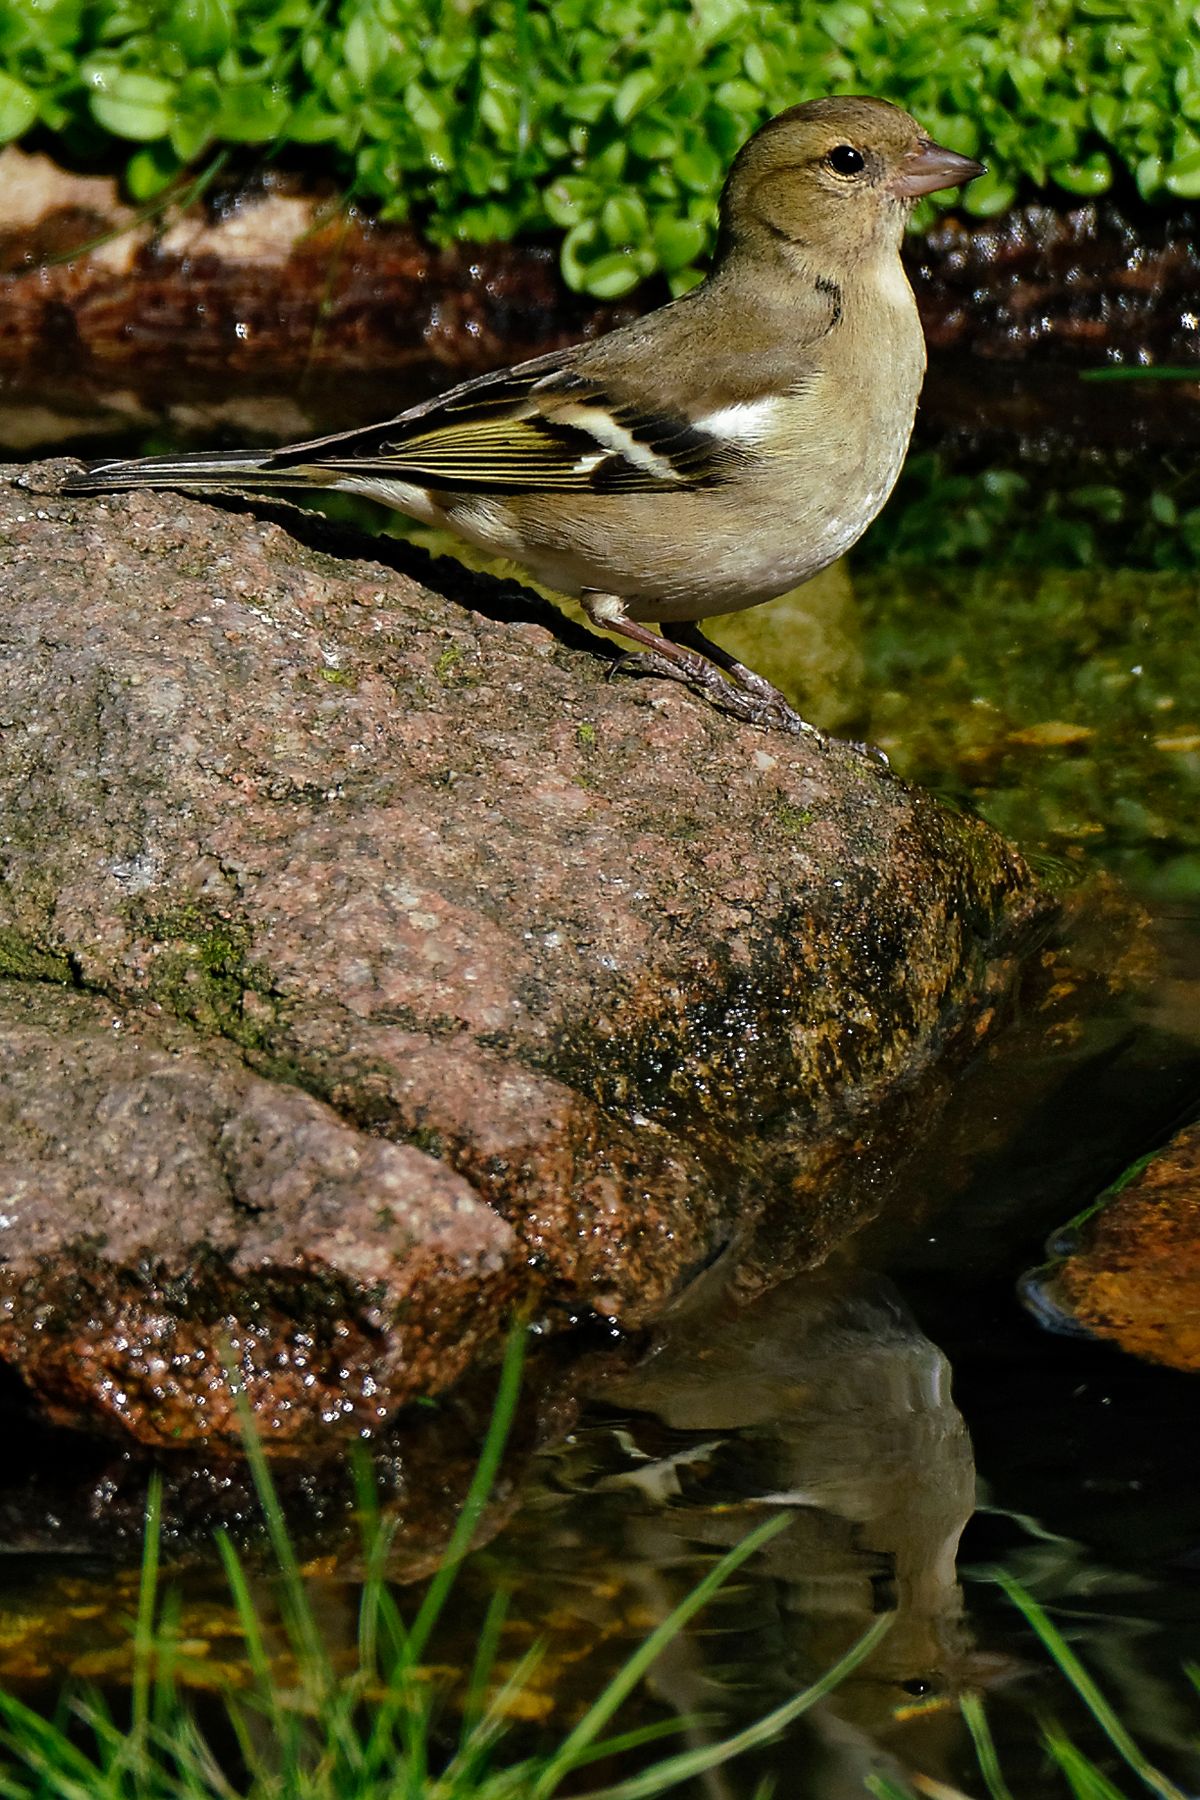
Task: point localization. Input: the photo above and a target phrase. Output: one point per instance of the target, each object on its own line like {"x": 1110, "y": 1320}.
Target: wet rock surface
{"x": 1090, "y": 283}
{"x": 220, "y": 1222}
{"x": 387, "y": 964}
{"x": 1129, "y": 1271}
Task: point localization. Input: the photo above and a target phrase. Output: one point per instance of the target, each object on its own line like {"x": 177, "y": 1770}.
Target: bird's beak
{"x": 930, "y": 167}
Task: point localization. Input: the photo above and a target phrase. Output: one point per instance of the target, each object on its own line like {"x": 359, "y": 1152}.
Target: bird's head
{"x": 835, "y": 178}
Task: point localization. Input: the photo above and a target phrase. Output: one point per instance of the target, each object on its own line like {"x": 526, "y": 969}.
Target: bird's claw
{"x": 770, "y": 709}
{"x": 747, "y": 697}
{"x": 645, "y": 662}
{"x": 779, "y": 716}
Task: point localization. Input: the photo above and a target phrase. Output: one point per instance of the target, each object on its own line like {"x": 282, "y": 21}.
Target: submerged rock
{"x": 1129, "y": 1270}
{"x": 374, "y": 964}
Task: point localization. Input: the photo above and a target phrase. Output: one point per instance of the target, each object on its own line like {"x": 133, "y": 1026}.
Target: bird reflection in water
{"x": 825, "y": 1398}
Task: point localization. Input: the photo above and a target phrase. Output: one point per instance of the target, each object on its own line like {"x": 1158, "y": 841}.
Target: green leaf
{"x": 18, "y": 107}
{"x": 202, "y": 29}
{"x": 1182, "y": 176}
{"x": 678, "y": 242}
{"x": 1148, "y": 175}
{"x": 587, "y": 101}
{"x": 149, "y": 171}
{"x": 611, "y": 276}
{"x": 311, "y": 122}
{"x": 367, "y": 45}
{"x": 253, "y": 114}
{"x": 1093, "y": 176}
{"x": 757, "y": 66}
{"x": 573, "y": 255}
{"x": 716, "y": 19}
{"x": 623, "y": 219}
{"x": 739, "y": 96}
{"x": 570, "y": 201}
{"x": 989, "y": 194}
{"x": 636, "y": 91}
{"x": 131, "y": 104}
{"x": 699, "y": 168}
{"x": 653, "y": 139}
{"x": 608, "y": 275}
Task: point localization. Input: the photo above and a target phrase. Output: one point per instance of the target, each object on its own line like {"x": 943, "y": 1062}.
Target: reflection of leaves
{"x": 493, "y": 120}
{"x": 1064, "y": 703}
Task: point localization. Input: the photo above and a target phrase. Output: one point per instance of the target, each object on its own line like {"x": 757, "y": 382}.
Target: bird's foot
{"x": 773, "y": 711}
{"x": 747, "y": 694}
{"x": 648, "y": 662}
{"x": 753, "y": 683}
{"x": 753, "y": 700}
{"x": 777, "y": 715}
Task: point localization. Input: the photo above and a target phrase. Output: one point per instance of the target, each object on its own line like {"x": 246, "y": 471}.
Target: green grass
{"x": 609, "y": 121}
{"x": 375, "y": 1725}
{"x": 1070, "y": 1771}
{"x": 375, "y": 1722}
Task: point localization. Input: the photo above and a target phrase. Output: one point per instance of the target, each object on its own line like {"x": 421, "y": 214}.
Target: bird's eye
{"x": 844, "y": 159}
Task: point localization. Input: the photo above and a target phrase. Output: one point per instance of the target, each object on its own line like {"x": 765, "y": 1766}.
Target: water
{"x": 924, "y": 1430}
{"x": 920, "y": 1427}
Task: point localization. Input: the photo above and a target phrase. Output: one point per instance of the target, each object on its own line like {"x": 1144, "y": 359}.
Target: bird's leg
{"x": 685, "y": 633}
{"x": 777, "y": 711}
{"x": 658, "y": 657}
{"x": 696, "y": 661}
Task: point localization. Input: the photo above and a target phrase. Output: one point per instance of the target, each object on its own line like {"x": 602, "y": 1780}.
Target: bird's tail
{"x": 250, "y": 469}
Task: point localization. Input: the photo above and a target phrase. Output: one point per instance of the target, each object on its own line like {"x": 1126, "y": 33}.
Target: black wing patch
{"x": 525, "y": 431}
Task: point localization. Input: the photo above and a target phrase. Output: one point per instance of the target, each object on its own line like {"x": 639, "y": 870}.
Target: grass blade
{"x": 486, "y": 1651}
{"x": 482, "y": 1484}
{"x": 882, "y": 1787}
{"x": 985, "y": 1747}
{"x": 1084, "y": 1779}
{"x": 674, "y": 1769}
{"x": 1088, "y": 1692}
{"x": 147, "y": 1610}
{"x": 623, "y": 1741}
{"x": 628, "y": 1676}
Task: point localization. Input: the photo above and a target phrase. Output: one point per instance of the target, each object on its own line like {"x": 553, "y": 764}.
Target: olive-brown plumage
{"x": 706, "y": 457}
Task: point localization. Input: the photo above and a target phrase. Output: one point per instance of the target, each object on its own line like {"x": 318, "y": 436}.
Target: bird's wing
{"x": 543, "y": 425}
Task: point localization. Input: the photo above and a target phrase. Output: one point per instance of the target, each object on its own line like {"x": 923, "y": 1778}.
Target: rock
{"x": 1128, "y": 1270}
{"x": 575, "y": 979}
{"x": 219, "y": 1220}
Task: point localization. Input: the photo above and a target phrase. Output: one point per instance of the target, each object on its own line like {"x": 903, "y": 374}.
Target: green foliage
{"x": 1005, "y": 518}
{"x": 612, "y": 120}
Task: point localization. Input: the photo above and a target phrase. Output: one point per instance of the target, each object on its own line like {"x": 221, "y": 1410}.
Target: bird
{"x": 704, "y": 458}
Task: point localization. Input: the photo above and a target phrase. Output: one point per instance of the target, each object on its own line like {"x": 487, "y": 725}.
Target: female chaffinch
{"x": 707, "y": 457}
